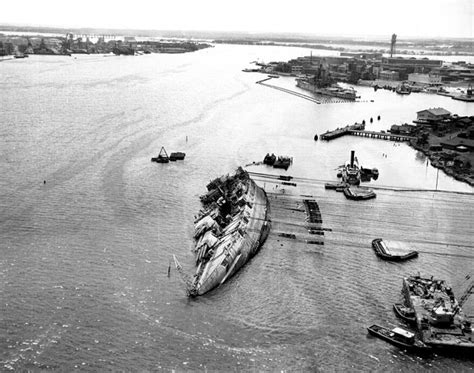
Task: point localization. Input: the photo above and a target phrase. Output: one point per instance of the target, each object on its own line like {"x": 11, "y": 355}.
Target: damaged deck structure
{"x": 440, "y": 320}
{"x": 232, "y": 226}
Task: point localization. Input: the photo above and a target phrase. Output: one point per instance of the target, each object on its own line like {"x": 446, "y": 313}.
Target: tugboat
{"x": 283, "y": 162}
{"x": 366, "y": 174}
{"x": 405, "y": 313}
{"x": 162, "y": 156}
{"x": 269, "y": 159}
{"x": 351, "y": 171}
{"x": 388, "y": 252}
{"x": 468, "y": 97}
{"x": 177, "y": 156}
{"x": 399, "y": 337}
{"x": 403, "y": 89}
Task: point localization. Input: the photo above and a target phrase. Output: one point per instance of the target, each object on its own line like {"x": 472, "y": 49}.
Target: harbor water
{"x": 89, "y": 225}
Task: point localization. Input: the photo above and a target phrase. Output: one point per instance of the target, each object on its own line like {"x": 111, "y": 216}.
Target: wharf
{"x": 330, "y": 135}
{"x": 357, "y": 130}
{"x": 380, "y": 135}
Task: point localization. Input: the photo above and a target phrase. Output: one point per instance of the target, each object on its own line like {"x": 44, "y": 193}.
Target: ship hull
{"x": 440, "y": 321}
{"x": 239, "y": 241}
{"x": 333, "y": 92}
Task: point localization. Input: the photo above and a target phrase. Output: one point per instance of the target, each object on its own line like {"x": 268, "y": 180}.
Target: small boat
{"x": 358, "y": 194}
{"x": 468, "y": 97}
{"x": 367, "y": 174}
{"x": 351, "y": 171}
{"x": 162, "y": 156}
{"x": 283, "y": 162}
{"x": 334, "y": 186}
{"x": 177, "y": 156}
{"x": 405, "y": 313}
{"x": 390, "y": 252}
{"x": 269, "y": 159}
{"x": 403, "y": 89}
{"x": 399, "y": 337}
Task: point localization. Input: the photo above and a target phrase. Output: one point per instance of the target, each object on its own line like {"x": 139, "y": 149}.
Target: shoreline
{"x": 435, "y": 162}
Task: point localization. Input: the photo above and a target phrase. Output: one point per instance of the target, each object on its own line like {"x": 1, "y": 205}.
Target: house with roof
{"x": 434, "y": 114}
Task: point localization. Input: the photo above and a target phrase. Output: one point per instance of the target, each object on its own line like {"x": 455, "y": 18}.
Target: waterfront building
{"x": 404, "y": 129}
{"x": 458, "y": 144}
{"x": 455, "y": 72}
{"x": 406, "y": 66}
{"x": 421, "y": 63}
{"x": 362, "y": 55}
{"x": 296, "y": 69}
{"x": 433, "y": 114}
{"x": 389, "y": 75}
{"x": 424, "y": 79}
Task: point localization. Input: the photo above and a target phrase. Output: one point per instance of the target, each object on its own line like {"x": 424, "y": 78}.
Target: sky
{"x": 406, "y": 18}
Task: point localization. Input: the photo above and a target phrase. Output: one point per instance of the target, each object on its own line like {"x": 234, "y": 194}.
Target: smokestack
{"x": 392, "y": 45}
{"x": 352, "y": 158}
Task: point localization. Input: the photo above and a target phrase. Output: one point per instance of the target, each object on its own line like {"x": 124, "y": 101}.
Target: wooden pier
{"x": 330, "y": 135}
{"x": 380, "y": 135}
{"x": 358, "y": 130}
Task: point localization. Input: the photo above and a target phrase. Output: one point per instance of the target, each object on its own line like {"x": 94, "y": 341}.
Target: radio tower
{"x": 392, "y": 45}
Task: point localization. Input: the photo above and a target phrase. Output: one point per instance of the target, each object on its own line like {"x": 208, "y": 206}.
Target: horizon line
{"x": 245, "y": 32}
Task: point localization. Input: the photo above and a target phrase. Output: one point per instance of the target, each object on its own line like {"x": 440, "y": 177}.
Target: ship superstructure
{"x": 440, "y": 320}
{"x": 230, "y": 229}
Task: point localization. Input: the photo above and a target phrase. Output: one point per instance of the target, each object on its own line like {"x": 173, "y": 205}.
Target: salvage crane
{"x": 465, "y": 295}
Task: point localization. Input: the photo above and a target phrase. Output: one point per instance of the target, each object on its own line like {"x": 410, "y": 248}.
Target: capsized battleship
{"x": 229, "y": 230}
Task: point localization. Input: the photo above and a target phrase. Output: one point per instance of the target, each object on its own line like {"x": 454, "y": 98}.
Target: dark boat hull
{"x": 160, "y": 160}
{"x": 269, "y": 159}
{"x": 358, "y": 196}
{"x": 380, "y": 252}
{"x": 398, "y": 311}
{"x": 283, "y": 165}
{"x": 177, "y": 156}
{"x": 385, "y": 334}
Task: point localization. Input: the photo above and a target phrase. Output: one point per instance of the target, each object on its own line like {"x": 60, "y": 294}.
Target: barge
{"x": 162, "y": 157}
{"x": 358, "y": 194}
{"x": 440, "y": 320}
{"x": 398, "y": 337}
{"x": 283, "y": 162}
{"x": 390, "y": 251}
{"x": 229, "y": 230}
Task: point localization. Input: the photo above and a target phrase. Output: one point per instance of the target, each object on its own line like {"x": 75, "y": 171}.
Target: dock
{"x": 381, "y": 135}
{"x": 358, "y": 130}
{"x": 331, "y": 135}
